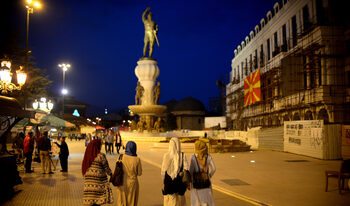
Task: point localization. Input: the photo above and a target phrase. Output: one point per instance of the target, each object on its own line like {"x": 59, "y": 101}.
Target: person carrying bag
{"x": 174, "y": 167}
{"x": 117, "y": 177}
{"x": 202, "y": 168}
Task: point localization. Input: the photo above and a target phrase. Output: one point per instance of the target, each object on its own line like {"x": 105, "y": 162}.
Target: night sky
{"x": 103, "y": 40}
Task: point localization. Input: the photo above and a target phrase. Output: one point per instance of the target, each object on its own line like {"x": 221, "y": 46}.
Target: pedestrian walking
{"x": 109, "y": 142}
{"x": 174, "y": 162}
{"x": 28, "y": 148}
{"x": 118, "y": 141}
{"x": 202, "y": 168}
{"x": 95, "y": 168}
{"x": 18, "y": 145}
{"x": 44, "y": 146}
{"x": 88, "y": 138}
{"x": 63, "y": 154}
{"x": 128, "y": 192}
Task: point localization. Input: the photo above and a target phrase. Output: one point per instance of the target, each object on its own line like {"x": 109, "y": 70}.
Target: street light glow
{"x": 37, "y": 4}
{"x": 64, "y": 66}
{"x": 64, "y": 91}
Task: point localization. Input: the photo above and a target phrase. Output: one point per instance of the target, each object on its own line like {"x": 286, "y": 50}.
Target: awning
{"x": 11, "y": 107}
{"x": 99, "y": 127}
{"x": 45, "y": 120}
{"x": 51, "y": 120}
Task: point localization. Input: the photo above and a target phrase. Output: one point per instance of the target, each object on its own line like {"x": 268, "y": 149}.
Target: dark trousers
{"x": 28, "y": 163}
{"x": 109, "y": 148}
{"x": 64, "y": 163}
{"x": 106, "y": 147}
{"x": 118, "y": 145}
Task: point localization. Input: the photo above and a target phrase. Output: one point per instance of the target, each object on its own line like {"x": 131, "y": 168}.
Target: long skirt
{"x": 202, "y": 197}
{"x": 174, "y": 200}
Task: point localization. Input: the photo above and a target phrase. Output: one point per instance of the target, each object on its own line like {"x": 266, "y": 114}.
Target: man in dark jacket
{"x": 28, "y": 147}
{"x": 64, "y": 153}
{"x": 44, "y": 146}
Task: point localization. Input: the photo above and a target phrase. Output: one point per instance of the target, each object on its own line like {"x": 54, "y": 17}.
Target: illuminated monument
{"x": 147, "y": 71}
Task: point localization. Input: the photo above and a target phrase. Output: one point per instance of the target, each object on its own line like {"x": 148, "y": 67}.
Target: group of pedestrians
{"x": 98, "y": 191}
{"x": 95, "y": 169}
{"x": 44, "y": 150}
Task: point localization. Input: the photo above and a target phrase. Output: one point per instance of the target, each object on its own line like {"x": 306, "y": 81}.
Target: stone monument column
{"x": 147, "y": 72}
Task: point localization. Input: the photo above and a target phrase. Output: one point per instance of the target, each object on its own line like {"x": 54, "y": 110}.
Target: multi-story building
{"x": 302, "y": 48}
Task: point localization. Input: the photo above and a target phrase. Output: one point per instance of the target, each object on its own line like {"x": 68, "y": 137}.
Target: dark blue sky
{"x": 103, "y": 40}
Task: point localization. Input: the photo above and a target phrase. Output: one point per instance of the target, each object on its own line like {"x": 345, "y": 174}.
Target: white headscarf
{"x": 172, "y": 159}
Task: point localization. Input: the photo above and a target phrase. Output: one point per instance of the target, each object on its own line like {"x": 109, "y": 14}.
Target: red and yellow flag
{"x": 252, "y": 92}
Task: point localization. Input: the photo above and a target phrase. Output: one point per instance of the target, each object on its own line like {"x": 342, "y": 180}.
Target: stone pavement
{"x": 266, "y": 177}
{"x": 66, "y": 188}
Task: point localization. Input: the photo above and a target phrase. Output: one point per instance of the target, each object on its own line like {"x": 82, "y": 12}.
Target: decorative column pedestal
{"x": 147, "y": 72}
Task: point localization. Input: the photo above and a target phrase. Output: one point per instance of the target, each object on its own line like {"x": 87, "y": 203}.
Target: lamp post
{"x": 30, "y": 4}
{"x": 6, "y": 84}
{"x": 64, "y": 90}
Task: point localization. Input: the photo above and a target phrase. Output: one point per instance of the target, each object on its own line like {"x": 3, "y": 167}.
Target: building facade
{"x": 302, "y": 48}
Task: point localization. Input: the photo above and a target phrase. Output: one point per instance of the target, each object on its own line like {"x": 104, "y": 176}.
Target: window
{"x": 251, "y": 63}
{"x": 306, "y": 17}
{"x": 261, "y": 55}
{"x": 294, "y": 30}
{"x": 321, "y": 13}
{"x": 242, "y": 67}
{"x": 256, "y": 29}
{"x": 276, "y": 49}
{"x": 256, "y": 59}
{"x": 275, "y": 36}
{"x": 284, "y": 38}
{"x": 268, "y": 49}
{"x": 237, "y": 71}
{"x": 262, "y": 22}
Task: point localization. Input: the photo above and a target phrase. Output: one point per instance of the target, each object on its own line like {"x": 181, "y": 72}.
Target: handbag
{"x": 185, "y": 174}
{"x": 200, "y": 178}
{"x": 117, "y": 176}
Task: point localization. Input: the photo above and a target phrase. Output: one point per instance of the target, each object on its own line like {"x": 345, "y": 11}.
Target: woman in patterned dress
{"x": 95, "y": 169}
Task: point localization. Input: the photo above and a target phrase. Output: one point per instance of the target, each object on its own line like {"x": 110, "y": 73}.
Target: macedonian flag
{"x": 252, "y": 92}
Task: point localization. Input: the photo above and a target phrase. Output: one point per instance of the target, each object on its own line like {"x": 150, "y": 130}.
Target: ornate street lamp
{"x": 6, "y": 76}
{"x": 43, "y": 105}
{"x": 64, "y": 67}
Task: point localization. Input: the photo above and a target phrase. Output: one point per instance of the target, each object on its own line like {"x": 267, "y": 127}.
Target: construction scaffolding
{"x": 307, "y": 78}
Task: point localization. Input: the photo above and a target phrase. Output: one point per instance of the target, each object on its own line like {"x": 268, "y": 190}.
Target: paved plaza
{"x": 249, "y": 178}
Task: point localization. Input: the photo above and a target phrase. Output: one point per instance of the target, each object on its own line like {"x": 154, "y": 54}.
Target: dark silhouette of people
{"x": 64, "y": 153}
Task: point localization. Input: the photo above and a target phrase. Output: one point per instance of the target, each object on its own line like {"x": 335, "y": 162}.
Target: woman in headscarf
{"x": 128, "y": 192}
{"x": 95, "y": 169}
{"x": 174, "y": 162}
{"x": 202, "y": 161}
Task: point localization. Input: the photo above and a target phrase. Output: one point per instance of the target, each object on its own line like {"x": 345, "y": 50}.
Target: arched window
{"x": 262, "y": 22}
{"x": 323, "y": 115}
{"x": 308, "y": 115}
{"x": 269, "y": 16}
{"x": 256, "y": 29}
{"x": 246, "y": 40}
{"x": 296, "y": 116}
{"x": 276, "y": 7}
{"x": 251, "y": 34}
